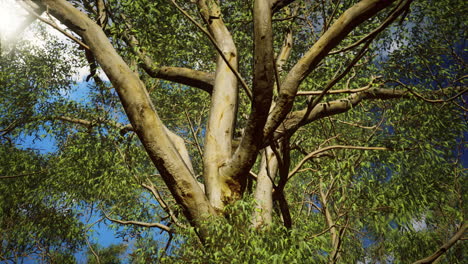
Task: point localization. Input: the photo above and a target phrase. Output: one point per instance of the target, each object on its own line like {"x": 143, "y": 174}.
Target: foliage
{"x": 387, "y": 182}
{"x": 108, "y": 255}
{"x": 231, "y": 242}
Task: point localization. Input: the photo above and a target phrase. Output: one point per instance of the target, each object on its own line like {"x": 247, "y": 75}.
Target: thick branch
{"x": 445, "y": 247}
{"x": 349, "y": 20}
{"x": 186, "y": 76}
{"x": 264, "y": 189}
{"x": 140, "y": 111}
{"x": 263, "y": 81}
{"x": 215, "y": 38}
{"x": 321, "y": 110}
{"x": 402, "y": 6}
{"x": 223, "y": 108}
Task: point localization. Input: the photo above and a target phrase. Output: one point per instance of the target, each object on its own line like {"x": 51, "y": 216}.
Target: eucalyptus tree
{"x": 341, "y": 120}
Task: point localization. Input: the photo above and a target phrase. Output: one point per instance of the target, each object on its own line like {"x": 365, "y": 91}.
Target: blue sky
{"x": 100, "y": 233}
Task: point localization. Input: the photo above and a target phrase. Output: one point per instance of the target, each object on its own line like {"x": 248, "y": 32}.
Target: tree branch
{"x": 186, "y": 76}
{"x": 263, "y": 81}
{"x": 315, "y": 153}
{"x": 464, "y": 90}
{"x": 161, "y": 202}
{"x": 399, "y": 9}
{"x": 277, "y": 5}
{"x": 213, "y": 40}
{"x": 140, "y": 111}
{"x": 445, "y": 247}
{"x": 51, "y": 23}
{"x": 138, "y": 223}
{"x": 321, "y": 110}
{"x": 349, "y": 20}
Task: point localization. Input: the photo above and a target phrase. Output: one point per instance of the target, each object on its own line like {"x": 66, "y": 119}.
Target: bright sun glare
{"x": 11, "y": 16}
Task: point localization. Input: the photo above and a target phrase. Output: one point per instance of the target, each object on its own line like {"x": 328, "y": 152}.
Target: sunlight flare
{"x": 11, "y": 18}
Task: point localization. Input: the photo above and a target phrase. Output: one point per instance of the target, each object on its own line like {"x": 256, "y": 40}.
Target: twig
{"x": 429, "y": 100}
{"x": 314, "y": 153}
{"x": 54, "y": 25}
{"x": 163, "y": 204}
{"x": 200, "y": 151}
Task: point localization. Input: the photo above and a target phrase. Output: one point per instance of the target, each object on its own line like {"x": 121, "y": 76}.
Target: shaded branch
{"x": 277, "y": 5}
{"x": 464, "y": 90}
{"x": 334, "y": 107}
{"x": 445, "y": 247}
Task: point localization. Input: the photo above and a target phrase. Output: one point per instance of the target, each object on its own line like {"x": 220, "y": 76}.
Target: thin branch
{"x": 314, "y": 153}
{"x": 138, "y": 223}
{"x": 53, "y": 24}
{"x": 92, "y": 250}
{"x": 348, "y": 91}
{"x": 161, "y": 202}
{"x": 322, "y": 232}
{"x": 436, "y": 101}
{"x": 9, "y": 128}
{"x": 336, "y": 79}
{"x": 356, "y": 125}
{"x": 194, "y": 134}
{"x": 90, "y": 124}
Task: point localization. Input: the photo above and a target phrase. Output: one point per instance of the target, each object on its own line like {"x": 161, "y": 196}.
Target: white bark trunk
{"x": 264, "y": 190}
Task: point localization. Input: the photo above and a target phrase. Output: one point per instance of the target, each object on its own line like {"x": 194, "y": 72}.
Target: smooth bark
{"x": 220, "y": 188}
{"x": 140, "y": 111}
{"x": 263, "y": 194}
